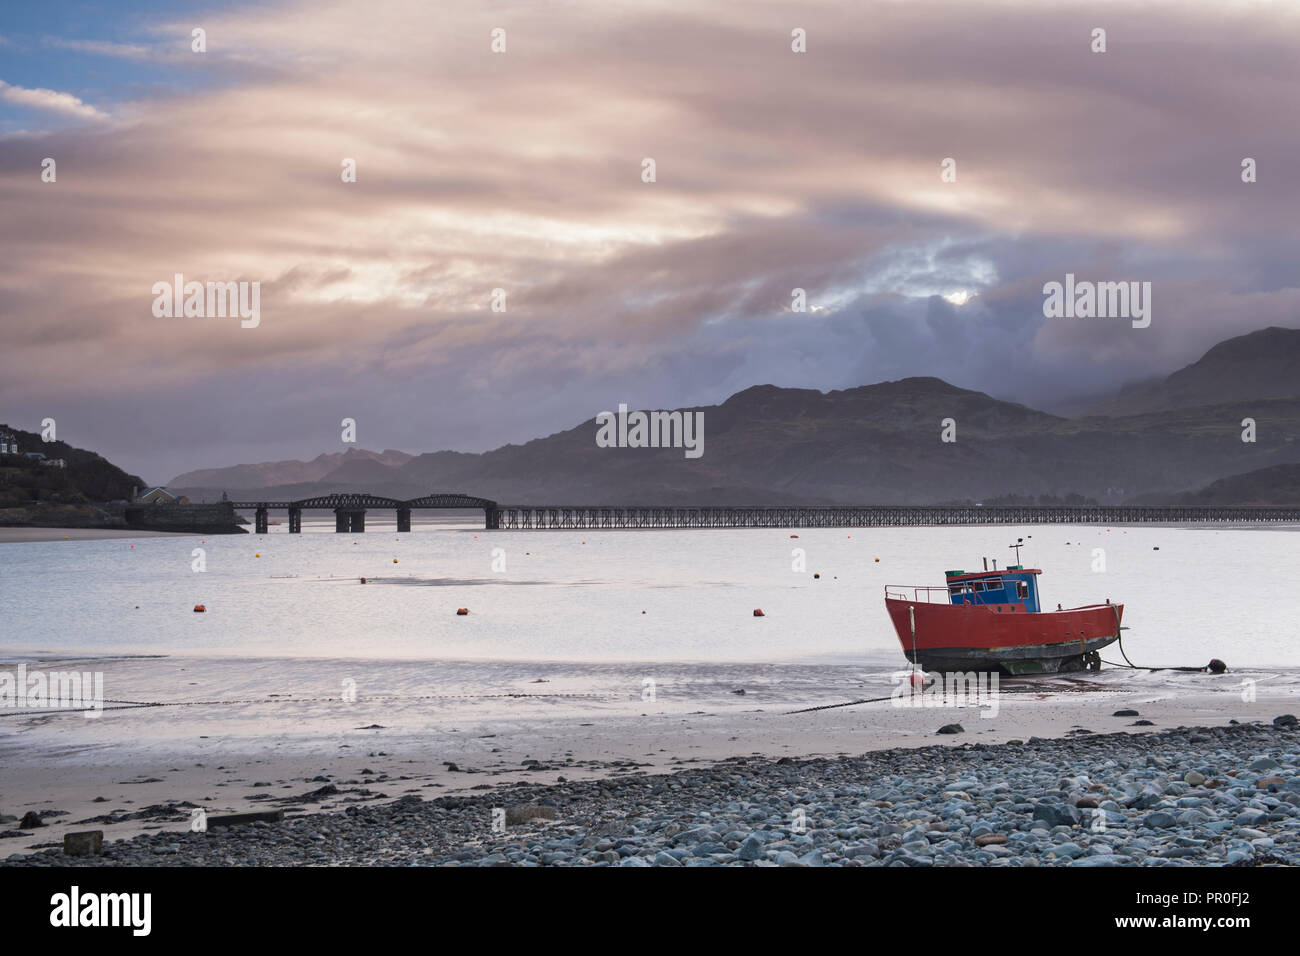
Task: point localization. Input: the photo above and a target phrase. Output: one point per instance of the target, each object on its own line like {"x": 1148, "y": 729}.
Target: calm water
{"x": 580, "y": 596}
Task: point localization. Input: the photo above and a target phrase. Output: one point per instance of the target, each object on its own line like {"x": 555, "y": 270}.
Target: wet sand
{"x": 236, "y": 734}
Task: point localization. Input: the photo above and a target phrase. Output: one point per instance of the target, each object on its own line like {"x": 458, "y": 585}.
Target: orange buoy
{"x": 199, "y": 609}
{"x": 461, "y": 611}
{"x": 758, "y": 612}
{"x": 394, "y": 560}
{"x": 794, "y": 536}
{"x": 815, "y": 576}
{"x": 877, "y": 560}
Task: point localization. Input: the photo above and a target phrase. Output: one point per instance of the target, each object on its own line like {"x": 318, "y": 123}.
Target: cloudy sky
{"x": 522, "y": 170}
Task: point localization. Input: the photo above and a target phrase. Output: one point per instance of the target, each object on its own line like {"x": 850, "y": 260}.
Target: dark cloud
{"x": 522, "y": 171}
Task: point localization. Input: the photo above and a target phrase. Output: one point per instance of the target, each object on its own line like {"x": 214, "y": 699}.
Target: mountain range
{"x": 1157, "y": 441}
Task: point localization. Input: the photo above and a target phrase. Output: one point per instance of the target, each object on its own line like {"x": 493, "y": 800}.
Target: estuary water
{"x": 613, "y": 596}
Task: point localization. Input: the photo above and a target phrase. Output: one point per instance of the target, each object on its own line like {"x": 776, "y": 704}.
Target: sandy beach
{"x": 16, "y": 535}
{"x": 233, "y": 735}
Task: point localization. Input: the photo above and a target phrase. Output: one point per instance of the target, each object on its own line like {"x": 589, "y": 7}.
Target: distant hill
{"x": 1259, "y": 365}
{"x": 88, "y": 477}
{"x": 343, "y": 466}
{"x": 1275, "y": 486}
{"x": 873, "y": 444}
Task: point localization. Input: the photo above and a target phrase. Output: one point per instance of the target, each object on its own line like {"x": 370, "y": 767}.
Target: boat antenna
{"x": 1020, "y": 543}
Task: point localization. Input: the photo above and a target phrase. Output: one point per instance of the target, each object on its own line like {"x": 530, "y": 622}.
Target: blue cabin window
{"x": 1013, "y": 589}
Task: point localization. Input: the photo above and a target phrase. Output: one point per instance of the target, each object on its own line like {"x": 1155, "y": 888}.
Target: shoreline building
{"x": 159, "y": 496}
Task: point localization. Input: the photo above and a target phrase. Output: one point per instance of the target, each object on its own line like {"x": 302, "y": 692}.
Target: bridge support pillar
{"x": 403, "y": 519}
{"x": 349, "y": 520}
{"x": 492, "y": 519}
{"x": 259, "y": 521}
{"x": 295, "y": 521}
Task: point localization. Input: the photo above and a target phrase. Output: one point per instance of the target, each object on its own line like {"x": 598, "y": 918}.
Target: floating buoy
{"x": 877, "y": 560}
{"x": 794, "y": 536}
{"x": 917, "y": 680}
{"x": 462, "y": 611}
{"x": 815, "y": 576}
{"x": 643, "y": 612}
{"x": 1157, "y": 548}
{"x": 394, "y": 560}
{"x": 363, "y": 580}
{"x": 258, "y": 554}
{"x": 758, "y": 612}
{"x": 199, "y": 609}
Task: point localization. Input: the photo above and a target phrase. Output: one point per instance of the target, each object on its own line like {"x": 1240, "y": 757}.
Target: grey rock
{"x": 83, "y": 843}
{"x": 1057, "y": 814}
{"x": 751, "y": 849}
{"x": 1160, "y": 820}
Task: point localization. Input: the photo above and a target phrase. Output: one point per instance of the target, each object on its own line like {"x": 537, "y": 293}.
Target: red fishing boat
{"x": 991, "y": 620}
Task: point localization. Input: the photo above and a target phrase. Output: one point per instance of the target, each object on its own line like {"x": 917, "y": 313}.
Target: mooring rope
{"x": 1119, "y": 633}
{"x": 851, "y": 703}
{"x": 137, "y": 704}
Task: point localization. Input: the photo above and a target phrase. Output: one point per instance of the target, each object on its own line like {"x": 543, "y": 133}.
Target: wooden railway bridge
{"x": 870, "y": 516}
{"x": 350, "y": 514}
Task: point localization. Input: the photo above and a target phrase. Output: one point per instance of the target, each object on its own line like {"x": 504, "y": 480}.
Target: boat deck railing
{"x": 924, "y": 594}
{"x": 919, "y": 595}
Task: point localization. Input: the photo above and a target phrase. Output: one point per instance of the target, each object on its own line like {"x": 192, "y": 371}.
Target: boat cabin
{"x": 1013, "y": 585}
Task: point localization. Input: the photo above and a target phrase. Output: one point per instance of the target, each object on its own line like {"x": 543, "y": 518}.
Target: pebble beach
{"x": 1190, "y": 796}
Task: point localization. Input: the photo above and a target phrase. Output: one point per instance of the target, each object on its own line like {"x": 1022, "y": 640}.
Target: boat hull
{"x": 1010, "y": 639}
